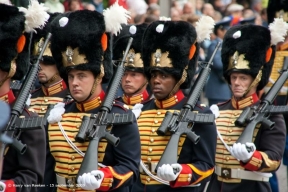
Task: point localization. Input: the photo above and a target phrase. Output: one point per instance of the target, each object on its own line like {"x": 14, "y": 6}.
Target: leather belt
{"x": 229, "y": 173}
{"x": 151, "y": 166}
{"x": 66, "y": 182}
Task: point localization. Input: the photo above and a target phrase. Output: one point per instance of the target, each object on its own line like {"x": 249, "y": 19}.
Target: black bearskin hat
{"x": 38, "y": 40}
{"x": 170, "y": 46}
{"x": 83, "y": 35}
{"x": 12, "y": 24}
{"x": 15, "y": 25}
{"x": 275, "y": 8}
{"x": 247, "y": 49}
{"x": 134, "y": 61}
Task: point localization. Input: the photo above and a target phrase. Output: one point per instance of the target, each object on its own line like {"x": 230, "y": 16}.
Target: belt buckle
{"x": 71, "y": 182}
{"x": 226, "y": 173}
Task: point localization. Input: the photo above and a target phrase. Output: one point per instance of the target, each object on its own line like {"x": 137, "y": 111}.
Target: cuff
{"x": 10, "y": 186}
{"x": 184, "y": 178}
{"x": 107, "y": 180}
{"x": 254, "y": 163}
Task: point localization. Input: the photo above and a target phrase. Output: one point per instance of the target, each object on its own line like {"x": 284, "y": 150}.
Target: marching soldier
{"x": 134, "y": 81}
{"x": 53, "y": 88}
{"x": 28, "y": 168}
{"x": 248, "y": 53}
{"x": 169, "y": 53}
{"x": 80, "y": 48}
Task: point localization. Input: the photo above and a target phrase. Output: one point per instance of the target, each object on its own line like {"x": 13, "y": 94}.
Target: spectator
{"x": 153, "y": 9}
{"x": 54, "y": 6}
{"x": 208, "y": 10}
{"x": 188, "y": 8}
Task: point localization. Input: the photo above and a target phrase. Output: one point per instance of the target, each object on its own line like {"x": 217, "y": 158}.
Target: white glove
{"x": 2, "y": 186}
{"x": 240, "y": 152}
{"x": 169, "y": 172}
{"x": 56, "y": 113}
{"x": 90, "y": 181}
{"x": 137, "y": 110}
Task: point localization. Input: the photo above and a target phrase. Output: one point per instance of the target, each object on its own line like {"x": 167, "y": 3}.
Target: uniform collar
{"x": 91, "y": 104}
{"x": 55, "y": 88}
{"x": 165, "y": 104}
{"x": 244, "y": 102}
{"x": 139, "y": 98}
{"x": 8, "y": 97}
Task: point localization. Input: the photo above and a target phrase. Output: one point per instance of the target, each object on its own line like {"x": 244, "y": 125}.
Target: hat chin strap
{"x": 145, "y": 83}
{"x": 179, "y": 83}
{"x": 254, "y": 83}
{"x": 11, "y": 72}
{"x": 51, "y": 79}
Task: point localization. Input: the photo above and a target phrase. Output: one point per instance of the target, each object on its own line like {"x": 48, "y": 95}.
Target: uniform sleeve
{"x": 270, "y": 146}
{"x": 202, "y": 157}
{"x": 126, "y": 158}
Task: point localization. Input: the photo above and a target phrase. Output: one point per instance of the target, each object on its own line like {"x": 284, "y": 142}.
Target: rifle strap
{"x": 73, "y": 145}
{"x": 179, "y": 83}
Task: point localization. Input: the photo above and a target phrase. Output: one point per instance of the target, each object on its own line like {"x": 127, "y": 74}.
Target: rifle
{"x": 95, "y": 127}
{"x": 251, "y": 116}
{"x": 182, "y": 123}
{"x": 22, "y": 124}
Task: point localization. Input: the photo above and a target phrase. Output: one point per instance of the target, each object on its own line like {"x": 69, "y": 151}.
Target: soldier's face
{"x": 46, "y": 72}
{"x": 240, "y": 83}
{"x": 133, "y": 83}
{"x": 80, "y": 84}
{"x": 162, "y": 84}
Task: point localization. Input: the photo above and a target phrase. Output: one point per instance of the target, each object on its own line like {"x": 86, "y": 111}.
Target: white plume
{"x": 204, "y": 27}
{"x": 36, "y": 15}
{"x": 6, "y": 2}
{"x": 278, "y": 30}
{"x": 114, "y": 17}
{"x": 56, "y": 113}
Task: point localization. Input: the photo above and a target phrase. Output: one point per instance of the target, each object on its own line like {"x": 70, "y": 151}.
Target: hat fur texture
{"x": 120, "y": 42}
{"x": 83, "y": 30}
{"x": 252, "y": 41}
{"x": 176, "y": 38}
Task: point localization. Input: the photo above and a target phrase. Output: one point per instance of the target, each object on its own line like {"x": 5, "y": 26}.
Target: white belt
{"x": 242, "y": 174}
{"x": 66, "y": 182}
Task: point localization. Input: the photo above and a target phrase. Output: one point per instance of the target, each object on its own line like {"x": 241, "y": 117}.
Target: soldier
{"x": 134, "y": 81}
{"x": 217, "y": 89}
{"x": 28, "y": 168}
{"x": 80, "y": 49}
{"x": 53, "y": 88}
{"x": 248, "y": 53}
{"x": 170, "y": 52}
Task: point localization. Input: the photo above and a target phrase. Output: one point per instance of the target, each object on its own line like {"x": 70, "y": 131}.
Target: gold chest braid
{"x": 39, "y": 105}
{"x": 152, "y": 145}
{"x": 68, "y": 161}
{"x": 230, "y": 134}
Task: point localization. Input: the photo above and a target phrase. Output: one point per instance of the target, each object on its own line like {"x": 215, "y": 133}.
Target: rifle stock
{"x": 261, "y": 113}
{"x": 100, "y": 124}
{"x": 181, "y": 123}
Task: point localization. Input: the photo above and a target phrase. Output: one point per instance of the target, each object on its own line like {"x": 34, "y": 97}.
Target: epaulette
{"x": 69, "y": 102}
{"x": 222, "y": 103}
{"x": 121, "y": 105}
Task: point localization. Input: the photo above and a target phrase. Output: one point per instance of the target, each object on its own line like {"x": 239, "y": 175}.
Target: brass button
{"x": 42, "y": 109}
{"x": 189, "y": 179}
{"x": 153, "y": 130}
{"x": 81, "y": 117}
{"x": 227, "y": 158}
{"x": 235, "y": 114}
{"x": 72, "y": 157}
{"x": 78, "y": 126}
{"x": 148, "y": 179}
{"x": 155, "y": 121}
{"x": 230, "y": 130}
{"x": 150, "y": 150}
{"x": 111, "y": 180}
{"x": 110, "y": 185}
{"x": 72, "y": 169}
{"x": 46, "y": 100}
{"x": 149, "y": 159}
{"x": 229, "y": 139}
{"x": 176, "y": 100}
{"x": 158, "y": 113}
{"x": 232, "y": 122}
{"x": 151, "y": 140}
